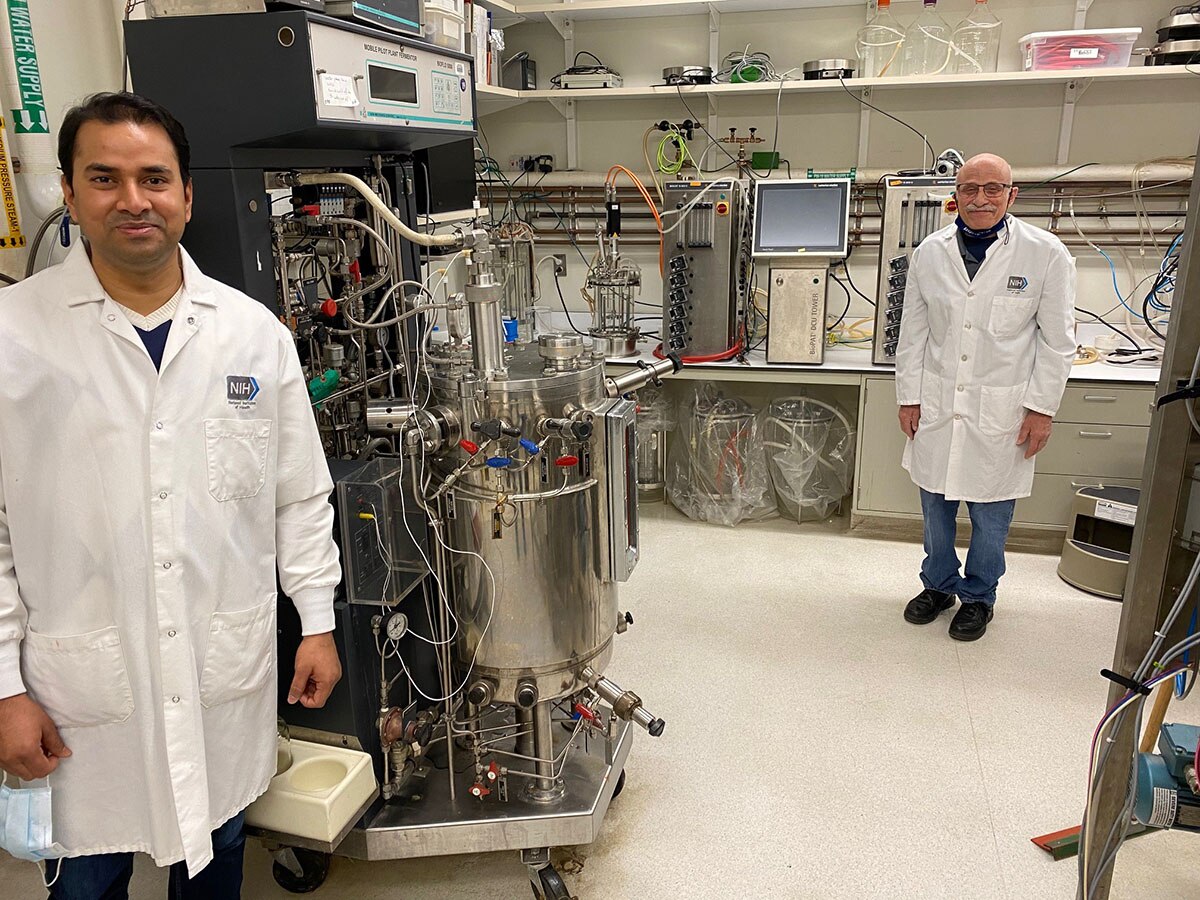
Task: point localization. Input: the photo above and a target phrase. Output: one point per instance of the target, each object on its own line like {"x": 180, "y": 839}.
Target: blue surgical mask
{"x": 25, "y": 824}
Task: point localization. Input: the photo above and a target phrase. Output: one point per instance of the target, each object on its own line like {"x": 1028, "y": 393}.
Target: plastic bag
{"x": 717, "y": 471}
{"x": 809, "y": 446}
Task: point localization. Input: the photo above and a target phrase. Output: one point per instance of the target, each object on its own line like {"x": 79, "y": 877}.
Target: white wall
{"x": 1114, "y": 123}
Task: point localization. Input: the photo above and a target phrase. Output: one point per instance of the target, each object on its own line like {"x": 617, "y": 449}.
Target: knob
{"x": 469, "y": 446}
{"x": 527, "y": 695}
{"x": 628, "y": 618}
{"x": 499, "y": 462}
{"x": 656, "y": 728}
{"x": 566, "y": 462}
{"x": 529, "y": 446}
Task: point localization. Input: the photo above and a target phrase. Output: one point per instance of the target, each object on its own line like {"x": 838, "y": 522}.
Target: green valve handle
{"x": 323, "y": 385}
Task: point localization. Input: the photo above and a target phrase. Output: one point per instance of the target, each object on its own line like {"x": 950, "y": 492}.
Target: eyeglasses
{"x": 992, "y": 189}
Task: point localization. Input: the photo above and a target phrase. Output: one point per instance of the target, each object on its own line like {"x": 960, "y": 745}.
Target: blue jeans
{"x": 106, "y": 876}
{"x": 985, "y": 558}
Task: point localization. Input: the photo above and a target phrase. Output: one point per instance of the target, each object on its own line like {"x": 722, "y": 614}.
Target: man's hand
{"x": 318, "y": 669}
{"x": 30, "y": 746}
{"x": 910, "y": 417}
{"x": 1036, "y": 430}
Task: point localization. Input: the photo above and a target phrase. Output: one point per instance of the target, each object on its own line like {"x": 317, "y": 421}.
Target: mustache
{"x": 988, "y": 207}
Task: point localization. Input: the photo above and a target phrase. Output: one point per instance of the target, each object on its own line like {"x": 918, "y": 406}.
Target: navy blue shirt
{"x": 155, "y": 341}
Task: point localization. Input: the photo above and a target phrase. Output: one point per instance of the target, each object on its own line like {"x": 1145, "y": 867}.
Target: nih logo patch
{"x": 1017, "y": 283}
{"x": 241, "y": 391}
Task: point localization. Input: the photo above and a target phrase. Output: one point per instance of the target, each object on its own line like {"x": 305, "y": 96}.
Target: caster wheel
{"x": 620, "y": 786}
{"x": 550, "y": 886}
{"x": 314, "y": 870}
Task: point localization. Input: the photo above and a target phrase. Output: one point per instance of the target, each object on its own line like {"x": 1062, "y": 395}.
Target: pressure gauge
{"x": 397, "y": 626}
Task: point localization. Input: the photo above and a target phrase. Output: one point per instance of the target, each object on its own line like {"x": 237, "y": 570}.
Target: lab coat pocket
{"x": 79, "y": 679}
{"x": 1000, "y": 410}
{"x": 931, "y": 398}
{"x": 240, "y": 658}
{"x": 1010, "y": 314}
{"x": 237, "y": 456}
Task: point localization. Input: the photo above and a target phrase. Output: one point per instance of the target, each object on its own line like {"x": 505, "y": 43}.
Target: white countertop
{"x": 857, "y": 360}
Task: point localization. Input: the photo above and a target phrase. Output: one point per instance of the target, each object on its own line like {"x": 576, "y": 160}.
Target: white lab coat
{"x": 977, "y": 354}
{"x": 141, "y": 517}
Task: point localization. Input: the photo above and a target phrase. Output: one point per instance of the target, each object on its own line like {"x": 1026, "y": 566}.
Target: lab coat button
{"x": 166, "y": 565}
{"x": 191, "y": 320}
{"x": 964, "y": 357}
{"x": 960, "y": 388}
{"x": 158, "y": 425}
{"x": 111, "y": 317}
{"x": 957, "y": 418}
{"x": 967, "y": 326}
{"x": 163, "y": 494}
{"x": 970, "y": 293}
{"x": 174, "y": 699}
{"x": 171, "y": 633}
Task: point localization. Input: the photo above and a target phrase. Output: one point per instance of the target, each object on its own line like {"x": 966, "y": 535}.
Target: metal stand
{"x": 423, "y": 821}
{"x": 1163, "y": 551}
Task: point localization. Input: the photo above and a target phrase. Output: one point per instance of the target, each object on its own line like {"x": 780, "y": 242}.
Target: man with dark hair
{"x": 158, "y": 464}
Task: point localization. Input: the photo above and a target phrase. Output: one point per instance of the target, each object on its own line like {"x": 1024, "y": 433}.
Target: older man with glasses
{"x": 985, "y": 349}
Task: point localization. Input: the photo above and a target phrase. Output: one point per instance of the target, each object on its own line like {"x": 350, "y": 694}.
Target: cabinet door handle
{"x": 1083, "y": 484}
{"x": 1099, "y": 398}
{"x": 1095, "y": 434}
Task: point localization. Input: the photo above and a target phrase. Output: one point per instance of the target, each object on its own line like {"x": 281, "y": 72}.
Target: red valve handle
{"x": 470, "y": 446}
{"x": 565, "y": 462}
{"x": 356, "y": 272}
{"x": 584, "y": 712}
{"x": 329, "y": 308}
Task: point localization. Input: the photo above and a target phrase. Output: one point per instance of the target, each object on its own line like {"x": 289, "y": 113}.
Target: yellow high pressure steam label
{"x": 12, "y": 220}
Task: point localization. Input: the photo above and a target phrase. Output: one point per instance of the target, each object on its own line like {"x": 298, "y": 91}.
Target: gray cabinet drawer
{"x": 1094, "y": 451}
{"x": 1106, "y": 405}
{"x": 1052, "y": 497}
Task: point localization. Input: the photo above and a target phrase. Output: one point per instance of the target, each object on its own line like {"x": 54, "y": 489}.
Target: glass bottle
{"x": 927, "y": 46}
{"x": 977, "y": 41}
{"x": 880, "y": 44}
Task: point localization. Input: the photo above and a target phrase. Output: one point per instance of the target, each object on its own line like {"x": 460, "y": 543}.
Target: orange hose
{"x": 715, "y": 357}
{"x": 608, "y": 179}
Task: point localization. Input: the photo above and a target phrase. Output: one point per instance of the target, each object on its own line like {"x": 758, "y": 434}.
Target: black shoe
{"x": 927, "y": 606}
{"x": 970, "y": 622}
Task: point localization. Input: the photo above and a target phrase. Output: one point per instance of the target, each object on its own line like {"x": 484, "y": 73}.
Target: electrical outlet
{"x": 560, "y": 264}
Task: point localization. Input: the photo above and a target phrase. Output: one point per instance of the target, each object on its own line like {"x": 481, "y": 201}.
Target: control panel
{"x": 913, "y": 209}
{"x": 707, "y": 269}
{"x": 366, "y": 79}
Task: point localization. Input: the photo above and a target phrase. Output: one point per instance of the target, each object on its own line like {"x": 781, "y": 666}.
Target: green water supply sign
{"x": 30, "y": 118}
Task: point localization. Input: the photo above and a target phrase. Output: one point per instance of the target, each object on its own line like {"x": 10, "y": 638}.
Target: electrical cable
{"x": 845, "y": 291}
{"x": 563, "y": 301}
{"x": 925, "y": 140}
{"x": 1106, "y": 324}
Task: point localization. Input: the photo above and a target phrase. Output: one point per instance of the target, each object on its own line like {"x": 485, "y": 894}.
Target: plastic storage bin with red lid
{"x": 1087, "y": 48}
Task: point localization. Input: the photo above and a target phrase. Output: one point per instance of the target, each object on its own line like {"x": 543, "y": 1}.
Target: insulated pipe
{"x": 376, "y": 202}
{"x": 32, "y": 142}
{"x": 1021, "y": 174}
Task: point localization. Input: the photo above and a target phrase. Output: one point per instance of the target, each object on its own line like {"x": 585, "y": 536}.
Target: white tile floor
{"x": 817, "y": 745}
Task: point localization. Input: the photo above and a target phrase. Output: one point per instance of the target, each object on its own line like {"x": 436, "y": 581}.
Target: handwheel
{"x": 552, "y": 886}
{"x": 314, "y": 868}
{"x": 620, "y": 786}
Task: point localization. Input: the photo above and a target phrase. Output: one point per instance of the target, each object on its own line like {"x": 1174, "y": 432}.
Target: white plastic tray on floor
{"x": 316, "y": 800}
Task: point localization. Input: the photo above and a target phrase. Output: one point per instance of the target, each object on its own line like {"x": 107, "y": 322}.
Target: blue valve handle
{"x": 530, "y": 447}
{"x": 499, "y": 462}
